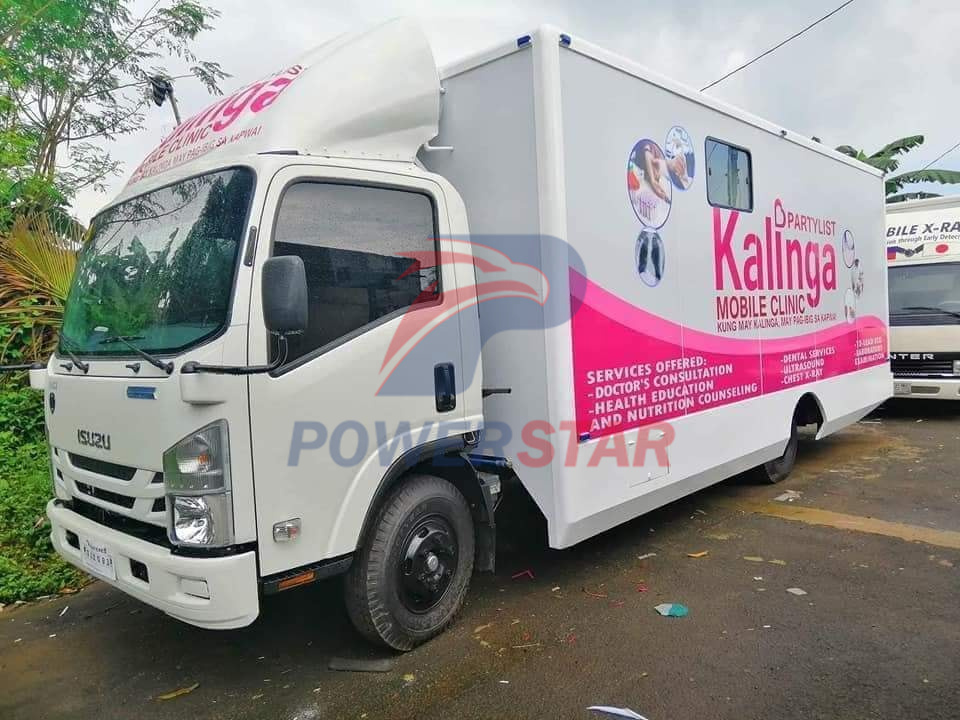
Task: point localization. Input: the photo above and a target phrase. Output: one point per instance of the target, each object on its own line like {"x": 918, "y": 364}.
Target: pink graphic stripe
{"x": 646, "y": 323}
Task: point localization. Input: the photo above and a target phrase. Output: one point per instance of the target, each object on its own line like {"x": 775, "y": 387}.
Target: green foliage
{"x": 29, "y": 567}
{"x": 915, "y": 195}
{"x": 36, "y": 266}
{"x": 20, "y": 337}
{"x": 21, "y": 413}
{"x": 21, "y": 190}
{"x": 30, "y": 195}
{"x": 72, "y": 73}
{"x": 945, "y": 177}
{"x": 887, "y": 159}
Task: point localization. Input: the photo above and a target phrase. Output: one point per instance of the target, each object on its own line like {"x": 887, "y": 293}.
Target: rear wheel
{"x": 779, "y": 468}
{"x": 409, "y": 579}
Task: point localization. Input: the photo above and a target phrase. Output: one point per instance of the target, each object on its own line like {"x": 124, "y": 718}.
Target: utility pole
{"x": 162, "y": 89}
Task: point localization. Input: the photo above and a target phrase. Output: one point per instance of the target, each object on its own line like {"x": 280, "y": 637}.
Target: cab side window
{"x": 369, "y": 252}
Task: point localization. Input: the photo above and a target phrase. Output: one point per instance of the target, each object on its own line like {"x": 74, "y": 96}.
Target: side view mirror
{"x": 284, "y": 285}
{"x": 285, "y": 308}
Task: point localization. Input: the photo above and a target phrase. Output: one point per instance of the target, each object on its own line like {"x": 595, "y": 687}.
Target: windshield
{"x": 925, "y": 294}
{"x": 158, "y": 270}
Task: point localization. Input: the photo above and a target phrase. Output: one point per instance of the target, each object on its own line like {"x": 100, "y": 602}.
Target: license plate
{"x": 98, "y": 559}
{"x": 901, "y": 388}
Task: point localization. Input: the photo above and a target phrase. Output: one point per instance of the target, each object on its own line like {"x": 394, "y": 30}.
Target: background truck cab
{"x": 923, "y": 252}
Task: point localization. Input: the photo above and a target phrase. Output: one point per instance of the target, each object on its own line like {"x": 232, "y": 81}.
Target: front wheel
{"x": 410, "y": 577}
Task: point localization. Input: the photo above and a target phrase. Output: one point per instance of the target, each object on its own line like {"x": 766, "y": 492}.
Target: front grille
{"x": 159, "y": 505}
{"x": 124, "y": 501}
{"x": 921, "y": 368}
{"x": 102, "y": 467}
{"x": 121, "y": 523}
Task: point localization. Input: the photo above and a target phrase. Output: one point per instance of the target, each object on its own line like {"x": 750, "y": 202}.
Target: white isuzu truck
{"x": 333, "y": 316}
{"x": 923, "y": 251}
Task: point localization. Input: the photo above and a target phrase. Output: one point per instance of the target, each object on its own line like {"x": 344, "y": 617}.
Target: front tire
{"x": 411, "y": 575}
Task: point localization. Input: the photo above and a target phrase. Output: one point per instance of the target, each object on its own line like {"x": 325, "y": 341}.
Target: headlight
{"x": 196, "y": 478}
{"x": 203, "y": 521}
{"x": 956, "y": 367}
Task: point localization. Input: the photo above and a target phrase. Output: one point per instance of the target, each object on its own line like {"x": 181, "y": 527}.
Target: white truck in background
{"x": 923, "y": 252}
{"x": 325, "y": 320}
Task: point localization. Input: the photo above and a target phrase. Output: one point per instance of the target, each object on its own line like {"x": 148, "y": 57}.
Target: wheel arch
{"x": 444, "y": 458}
{"x": 809, "y": 411}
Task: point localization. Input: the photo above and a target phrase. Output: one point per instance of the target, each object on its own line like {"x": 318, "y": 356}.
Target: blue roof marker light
{"x": 565, "y": 39}
{"x": 523, "y": 40}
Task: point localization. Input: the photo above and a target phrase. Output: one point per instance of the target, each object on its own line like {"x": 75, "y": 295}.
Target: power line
{"x": 777, "y": 46}
{"x": 939, "y": 157}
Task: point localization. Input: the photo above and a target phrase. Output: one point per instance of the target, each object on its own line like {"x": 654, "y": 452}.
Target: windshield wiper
{"x": 80, "y": 364}
{"x": 932, "y": 309}
{"x": 167, "y": 367}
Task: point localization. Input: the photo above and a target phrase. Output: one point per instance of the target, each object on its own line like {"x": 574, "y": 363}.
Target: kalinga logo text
{"x": 775, "y": 279}
{"x": 93, "y": 439}
{"x": 206, "y": 130}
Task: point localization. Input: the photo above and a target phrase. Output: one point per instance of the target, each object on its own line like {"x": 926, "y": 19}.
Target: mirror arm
{"x": 22, "y": 366}
{"x": 192, "y": 367}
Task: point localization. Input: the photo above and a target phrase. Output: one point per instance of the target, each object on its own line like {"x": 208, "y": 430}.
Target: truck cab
{"x": 236, "y": 309}
{"x": 923, "y": 253}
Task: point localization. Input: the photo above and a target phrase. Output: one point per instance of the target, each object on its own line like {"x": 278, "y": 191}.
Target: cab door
{"x": 378, "y": 369}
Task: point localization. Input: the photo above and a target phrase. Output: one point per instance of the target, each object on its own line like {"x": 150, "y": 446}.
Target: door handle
{"x": 445, "y": 387}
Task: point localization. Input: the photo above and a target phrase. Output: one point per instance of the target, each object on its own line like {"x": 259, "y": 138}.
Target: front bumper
{"x": 210, "y": 592}
{"x": 929, "y": 388}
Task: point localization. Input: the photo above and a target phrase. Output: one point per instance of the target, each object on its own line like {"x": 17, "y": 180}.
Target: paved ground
{"x": 873, "y": 539}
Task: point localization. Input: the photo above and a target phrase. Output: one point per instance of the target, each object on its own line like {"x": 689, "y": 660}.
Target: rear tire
{"x": 779, "y": 468}
{"x": 410, "y": 577}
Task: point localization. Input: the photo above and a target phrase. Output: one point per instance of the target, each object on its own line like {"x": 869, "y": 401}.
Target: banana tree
{"x": 888, "y": 159}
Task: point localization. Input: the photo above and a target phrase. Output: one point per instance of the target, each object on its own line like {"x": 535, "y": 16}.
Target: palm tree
{"x": 887, "y": 160}
{"x": 36, "y": 266}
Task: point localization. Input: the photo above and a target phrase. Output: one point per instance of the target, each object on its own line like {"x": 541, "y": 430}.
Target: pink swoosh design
{"x": 641, "y": 321}
{"x": 610, "y": 335}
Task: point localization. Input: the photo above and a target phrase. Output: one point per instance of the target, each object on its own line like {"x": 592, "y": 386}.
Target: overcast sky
{"x": 876, "y": 71}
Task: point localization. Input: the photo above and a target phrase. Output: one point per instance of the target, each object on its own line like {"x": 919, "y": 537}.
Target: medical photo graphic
{"x": 650, "y": 257}
{"x": 681, "y": 162}
{"x": 649, "y": 184}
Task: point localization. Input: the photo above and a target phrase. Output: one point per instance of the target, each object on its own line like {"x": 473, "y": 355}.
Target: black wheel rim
{"x": 428, "y": 562}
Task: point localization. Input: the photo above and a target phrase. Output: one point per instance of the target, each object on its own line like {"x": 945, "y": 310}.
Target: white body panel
{"x": 563, "y": 122}
{"x": 923, "y": 346}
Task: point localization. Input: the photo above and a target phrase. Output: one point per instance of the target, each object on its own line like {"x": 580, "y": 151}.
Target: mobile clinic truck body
{"x": 303, "y": 341}
{"x": 923, "y": 251}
